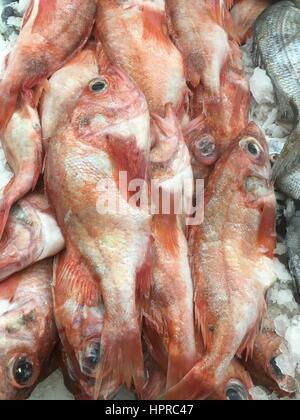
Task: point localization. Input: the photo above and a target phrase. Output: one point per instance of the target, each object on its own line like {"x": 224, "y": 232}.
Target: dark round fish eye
{"x": 98, "y": 85}
{"x": 236, "y": 392}
{"x": 206, "y": 146}
{"x": 253, "y": 149}
{"x": 91, "y": 358}
{"x": 23, "y": 371}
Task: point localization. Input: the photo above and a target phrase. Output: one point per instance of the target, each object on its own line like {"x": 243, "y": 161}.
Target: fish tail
{"x": 156, "y": 381}
{"x": 121, "y": 360}
{"x": 178, "y": 365}
{"x": 209, "y": 372}
{"x": 8, "y": 102}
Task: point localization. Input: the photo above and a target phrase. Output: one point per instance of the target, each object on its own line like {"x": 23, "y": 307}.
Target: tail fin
{"x": 209, "y": 372}
{"x": 121, "y": 360}
{"x": 178, "y": 365}
{"x": 8, "y": 102}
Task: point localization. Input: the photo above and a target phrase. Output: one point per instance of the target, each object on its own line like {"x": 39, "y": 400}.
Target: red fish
{"x": 245, "y": 13}
{"x": 134, "y": 35}
{"x": 27, "y": 330}
{"x": 53, "y": 31}
{"x": 79, "y": 315}
{"x": 263, "y": 366}
{"x": 236, "y": 386}
{"x": 22, "y": 145}
{"x": 109, "y": 133}
{"x": 231, "y": 260}
{"x": 31, "y": 234}
{"x": 61, "y": 93}
{"x": 197, "y": 28}
{"x": 170, "y": 169}
{"x": 218, "y": 121}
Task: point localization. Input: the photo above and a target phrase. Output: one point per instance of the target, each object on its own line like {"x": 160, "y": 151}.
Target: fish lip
{"x": 263, "y": 174}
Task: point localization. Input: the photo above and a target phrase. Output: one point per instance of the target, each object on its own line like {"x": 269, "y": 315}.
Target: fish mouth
{"x": 285, "y": 382}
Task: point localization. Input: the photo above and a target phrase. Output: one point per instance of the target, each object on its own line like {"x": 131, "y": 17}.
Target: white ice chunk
{"x": 281, "y": 250}
{"x": 259, "y": 394}
{"x": 286, "y": 364}
{"x": 293, "y": 338}
{"x": 281, "y": 272}
{"x": 281, "y": 324}
{"x": 261, "y": 87}
{"x": 14, "y": 21}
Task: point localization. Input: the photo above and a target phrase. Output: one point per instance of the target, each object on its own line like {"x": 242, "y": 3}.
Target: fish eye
{"x": 236, "y": 392}
{"x": 98, "y": 85}
{"x": 23, "y": 371}
{"x": 90, "y": 358}
{"x": 253, "y": 149}
{"x": 276, "y": 369}
{"x": 206, "y": 146}
{"x": 204, "y": 149}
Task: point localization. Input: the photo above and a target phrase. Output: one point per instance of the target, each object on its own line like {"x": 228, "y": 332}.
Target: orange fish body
{"x": 201, "y": 38}
{"x": 244, "y": 14}
{"x": 109, "y": 133}
{"x": 61, "y": 93}
{"x": 236, "y": 384}
{"x": 218, "y": 121}
{"x": 79, "y": 315}
{"x": 227, "y": 116}
{"x": 231, "y": 261}
{"x": 263, "y": 366}
{"x": 53, "y": 31}
{"x": 22, "y": 145}
{"x": 135, "y": 37}
{"x": 170, "y": 305}
{"x": 31, "y": 235}
{"x": 27, "y": 327}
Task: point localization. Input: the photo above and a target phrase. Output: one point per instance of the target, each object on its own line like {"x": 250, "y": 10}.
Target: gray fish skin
{"x": 277, "y": 49}
{"x": 293, "y": 247}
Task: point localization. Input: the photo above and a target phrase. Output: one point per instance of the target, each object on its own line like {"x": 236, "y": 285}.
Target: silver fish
{"x": 293, "y": 247}
{"x": 277, "y": 49}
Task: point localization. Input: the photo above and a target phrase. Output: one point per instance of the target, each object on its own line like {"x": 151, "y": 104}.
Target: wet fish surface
{"x": 27, "y": 330}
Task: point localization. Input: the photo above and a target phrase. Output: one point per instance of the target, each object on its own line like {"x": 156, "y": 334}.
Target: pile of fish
{"x": 96, "y": 278}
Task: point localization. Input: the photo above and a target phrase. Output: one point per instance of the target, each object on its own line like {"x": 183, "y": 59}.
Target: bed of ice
{"x": 282, "y": 306}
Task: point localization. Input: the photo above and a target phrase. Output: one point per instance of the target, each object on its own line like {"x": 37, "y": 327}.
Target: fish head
{"x": 20, "y": 241}
{"x": 264, "y": 366}
{"x": 236, "y": 385}
{"x": 107, "y": 101}
{"x": 248, "y": 160}
{"x": 27, "y": 334}
{"x": 79, "y": 314}
{"x": 202, "y": 146}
